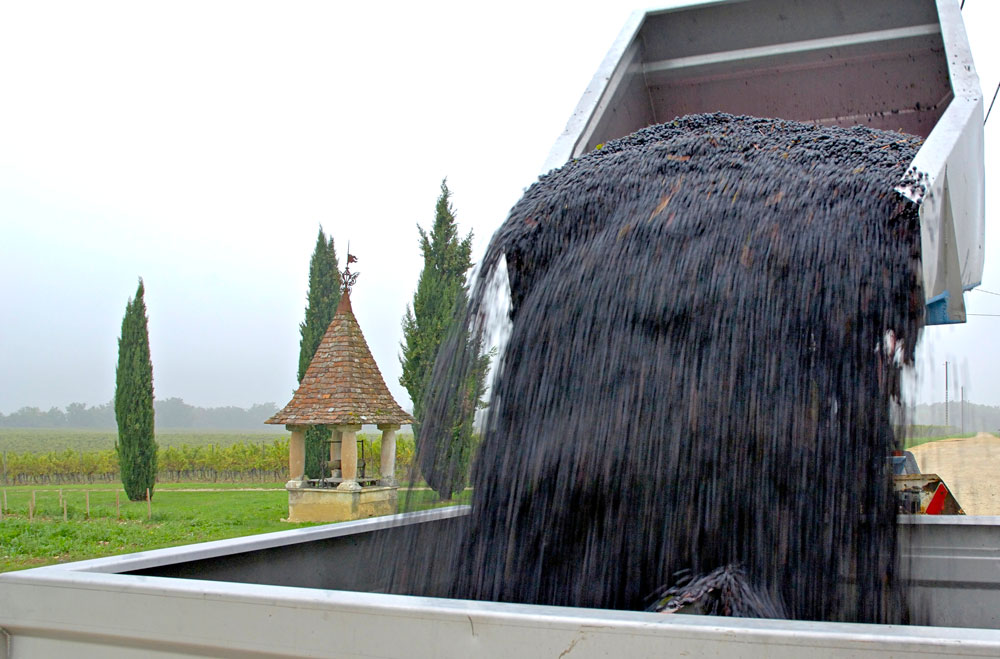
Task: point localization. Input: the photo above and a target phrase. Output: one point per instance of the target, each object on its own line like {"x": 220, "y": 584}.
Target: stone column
{"x": 335, "y": 439}
{"x": 349, "y": 457}
{"x": 388, "y": 466}
{"x": 296, "y": 457}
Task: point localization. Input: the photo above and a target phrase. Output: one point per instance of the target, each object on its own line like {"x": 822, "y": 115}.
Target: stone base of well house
{"x": 324, "y": 504}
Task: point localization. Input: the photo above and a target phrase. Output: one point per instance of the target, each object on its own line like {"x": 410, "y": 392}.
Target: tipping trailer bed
{"x": 900, "y": 65}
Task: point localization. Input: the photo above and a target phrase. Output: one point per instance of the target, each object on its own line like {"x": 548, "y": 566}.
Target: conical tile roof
{"x": 342, "y": 384}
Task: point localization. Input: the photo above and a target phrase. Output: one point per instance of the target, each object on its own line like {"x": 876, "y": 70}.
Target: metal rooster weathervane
{"x": 347, "y": 277}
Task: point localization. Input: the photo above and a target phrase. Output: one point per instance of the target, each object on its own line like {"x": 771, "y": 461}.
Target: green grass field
{"x": 44, "y": 440}
{"x": 182, "y": 513}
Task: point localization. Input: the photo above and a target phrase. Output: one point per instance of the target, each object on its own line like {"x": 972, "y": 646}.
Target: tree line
{"x": 170, "y": 413}
{"x": 960, "y": 417}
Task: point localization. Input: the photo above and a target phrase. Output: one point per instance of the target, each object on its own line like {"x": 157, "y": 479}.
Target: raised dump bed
{"x": 317, "y": 592}
{"x": 901, "y": 65}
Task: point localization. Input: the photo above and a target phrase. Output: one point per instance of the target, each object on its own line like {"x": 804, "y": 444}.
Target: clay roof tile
{"x": 343, "y": 384}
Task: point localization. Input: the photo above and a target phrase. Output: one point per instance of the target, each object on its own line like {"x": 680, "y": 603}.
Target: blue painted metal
{"x": 937, "y": 310}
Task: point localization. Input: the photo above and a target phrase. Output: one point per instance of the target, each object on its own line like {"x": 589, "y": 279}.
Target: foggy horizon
{"x": 207, "y": 170}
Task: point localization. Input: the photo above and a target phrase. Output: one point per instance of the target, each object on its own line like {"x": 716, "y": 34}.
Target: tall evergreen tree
{"x": 323, "y": 298}
{"x": 441, "y": 293}
{"x": 136, "y": 445}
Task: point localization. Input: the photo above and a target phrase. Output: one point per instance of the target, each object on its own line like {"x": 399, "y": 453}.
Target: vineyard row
{"x": 238, "y": 463}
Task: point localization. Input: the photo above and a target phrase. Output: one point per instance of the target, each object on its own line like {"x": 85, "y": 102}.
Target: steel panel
{"x": 892, "y": 64}
{"x": 119, "y": 607}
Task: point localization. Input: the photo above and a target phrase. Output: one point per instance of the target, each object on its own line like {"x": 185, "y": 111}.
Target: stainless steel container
{"x": 315, "y": 592}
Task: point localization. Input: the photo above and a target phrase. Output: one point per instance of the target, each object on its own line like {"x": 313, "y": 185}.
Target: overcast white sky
{"x": 201, "y": 144}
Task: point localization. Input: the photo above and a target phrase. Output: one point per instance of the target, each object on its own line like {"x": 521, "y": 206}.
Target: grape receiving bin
{"x": 317, "y": 592}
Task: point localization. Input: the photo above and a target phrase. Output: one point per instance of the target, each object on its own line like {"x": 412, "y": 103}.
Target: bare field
{"x": 970, "y": 466}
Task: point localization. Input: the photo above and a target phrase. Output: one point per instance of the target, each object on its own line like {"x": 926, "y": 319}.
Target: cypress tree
{"x": 323, "y": 298}
{"x": 136, "y": 445}
{"x": 439, "y": 298}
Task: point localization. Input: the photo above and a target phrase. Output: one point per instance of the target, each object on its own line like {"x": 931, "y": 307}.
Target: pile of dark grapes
{"x": 707, "y": 321}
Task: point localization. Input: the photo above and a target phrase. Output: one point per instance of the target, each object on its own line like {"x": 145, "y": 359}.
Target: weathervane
{"x": 347, "y": 277}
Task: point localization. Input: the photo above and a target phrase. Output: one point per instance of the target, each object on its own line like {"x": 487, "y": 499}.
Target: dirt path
{"x": 969, "y": 466}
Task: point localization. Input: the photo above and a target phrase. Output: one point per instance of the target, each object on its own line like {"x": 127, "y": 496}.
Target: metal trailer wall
{"x": 900, "y": 65}
{"x": 257, "y": 597}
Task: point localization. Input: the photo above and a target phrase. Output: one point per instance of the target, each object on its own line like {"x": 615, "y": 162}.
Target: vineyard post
{"x": 64, "y": 510}
{"x": 149, "y": 506}
{"x": 4, "y": 462}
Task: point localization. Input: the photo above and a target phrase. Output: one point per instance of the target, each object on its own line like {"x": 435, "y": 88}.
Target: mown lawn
{"x": 178, "y": 517}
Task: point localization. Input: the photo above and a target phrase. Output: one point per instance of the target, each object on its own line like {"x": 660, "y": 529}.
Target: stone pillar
{"x": 388, "y": 466}
{"x": 349, "y": 457}
{"x": 335, "y": 439}
{"x": 296, "y": 457}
